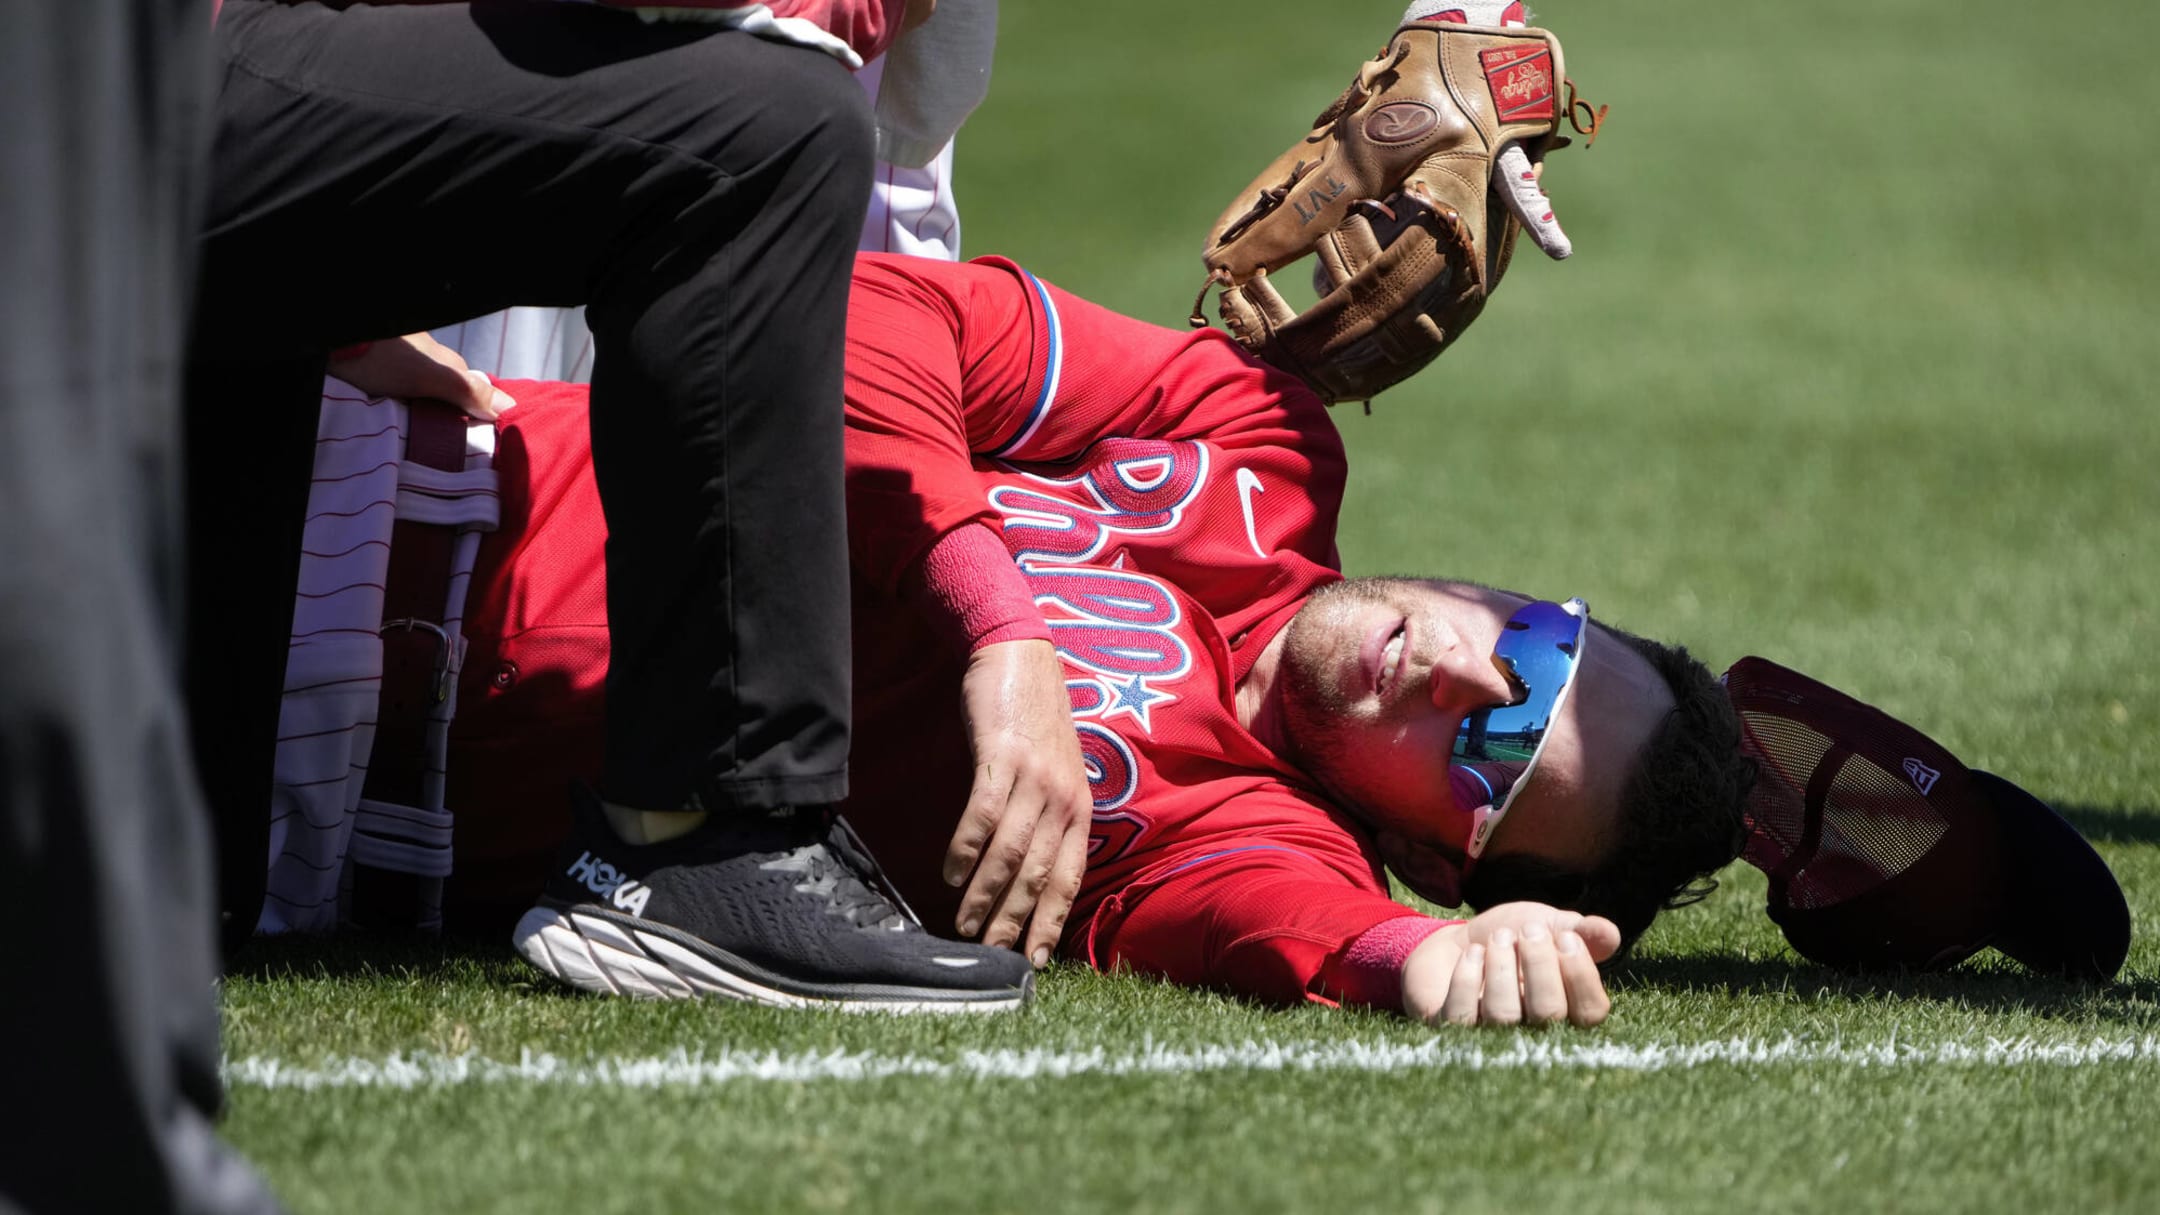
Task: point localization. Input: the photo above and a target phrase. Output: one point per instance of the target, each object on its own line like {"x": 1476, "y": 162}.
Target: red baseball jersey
{"x": 864, "y": 27}
{"x": 1170, "y": 502}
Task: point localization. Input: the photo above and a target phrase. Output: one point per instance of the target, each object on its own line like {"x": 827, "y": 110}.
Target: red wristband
{"x": 1370, "y": 971}
{"x": 975, "y": 595}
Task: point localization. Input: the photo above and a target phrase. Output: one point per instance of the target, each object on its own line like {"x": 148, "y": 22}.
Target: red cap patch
{"x": 1513, "y": 14}
{"x": 1521, "y": 81}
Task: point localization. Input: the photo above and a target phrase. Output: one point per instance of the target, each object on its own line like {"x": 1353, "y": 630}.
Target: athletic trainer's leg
{"x": 381, "y": 170}
{"x": 717, "y": 430}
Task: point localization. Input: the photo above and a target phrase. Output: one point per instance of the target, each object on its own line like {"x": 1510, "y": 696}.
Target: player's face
{"x": 1378, "y": 674}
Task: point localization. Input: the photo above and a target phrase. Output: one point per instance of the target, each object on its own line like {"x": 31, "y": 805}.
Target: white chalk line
{"x": 688, "y": 1069}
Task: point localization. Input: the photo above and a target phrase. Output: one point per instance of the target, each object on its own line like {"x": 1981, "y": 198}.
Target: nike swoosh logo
{"x": 1248, "y": 484}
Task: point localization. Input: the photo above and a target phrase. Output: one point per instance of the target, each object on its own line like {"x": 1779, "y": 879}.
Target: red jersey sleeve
{"x": 1265, "y": 919}
{"x": 1098, "y": 373}
{"x": 908, "y": 463}
{"x": 867, "y": 26}
{"x": 947, "y": 363}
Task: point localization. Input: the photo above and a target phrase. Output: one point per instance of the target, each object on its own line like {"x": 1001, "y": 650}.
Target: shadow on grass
{"x": 2113, "y": 825}
{"x": 358, "y": 956}
{"x": 2131, "y": 998}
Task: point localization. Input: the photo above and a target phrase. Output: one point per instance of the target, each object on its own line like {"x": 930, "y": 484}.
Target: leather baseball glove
{"x": 1410, "y": 191}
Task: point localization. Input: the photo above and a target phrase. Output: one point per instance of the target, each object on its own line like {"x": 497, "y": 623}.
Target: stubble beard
{"x": 1317, "y": 714}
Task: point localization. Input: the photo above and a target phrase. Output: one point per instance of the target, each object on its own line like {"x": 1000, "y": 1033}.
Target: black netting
{"x": 1875, "y": 826}
{"x": 1788, "y": 752}
{"x": 1876, "y": 822}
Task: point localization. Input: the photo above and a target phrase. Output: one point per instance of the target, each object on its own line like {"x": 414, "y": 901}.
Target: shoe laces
{"x": 840, "y": 870}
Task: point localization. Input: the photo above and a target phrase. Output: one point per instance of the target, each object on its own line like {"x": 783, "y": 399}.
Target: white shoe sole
{"x": 606, "y": 958}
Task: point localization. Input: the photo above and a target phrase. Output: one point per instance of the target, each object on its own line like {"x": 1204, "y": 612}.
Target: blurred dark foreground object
{"x": 109, "y": 1010}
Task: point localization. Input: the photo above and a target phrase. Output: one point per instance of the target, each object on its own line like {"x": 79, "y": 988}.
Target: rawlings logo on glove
{"x": 1393, "y": 195}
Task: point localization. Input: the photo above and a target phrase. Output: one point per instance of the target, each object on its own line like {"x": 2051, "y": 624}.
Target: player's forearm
{"x": 1255, "y": 914}
{"x": 906, "y": 491}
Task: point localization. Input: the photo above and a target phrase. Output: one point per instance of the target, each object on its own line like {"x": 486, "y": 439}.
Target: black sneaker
{"x": 786, "y": 910}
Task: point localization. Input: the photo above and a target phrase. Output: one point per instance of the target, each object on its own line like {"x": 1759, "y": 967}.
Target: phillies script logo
{"x": 1115, "y": 630}
{"x": 1401, "y": 122}
{"x": 1521, "y": 81}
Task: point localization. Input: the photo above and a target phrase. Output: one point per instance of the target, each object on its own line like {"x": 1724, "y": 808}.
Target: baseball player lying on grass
{"x": 1114, "y": 697}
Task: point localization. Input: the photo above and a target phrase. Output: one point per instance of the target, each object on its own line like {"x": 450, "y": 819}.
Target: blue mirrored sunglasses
{"x": 1539, "y": 651}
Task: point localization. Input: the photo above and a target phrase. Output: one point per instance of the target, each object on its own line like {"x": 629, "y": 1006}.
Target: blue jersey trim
{"x": 1054, "y": 368}
{"x": 1182, "y": 866}
{"x": 1490, "y": 796}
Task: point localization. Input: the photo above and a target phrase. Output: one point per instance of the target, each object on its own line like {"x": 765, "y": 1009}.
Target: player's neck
{"x": 1259, "y": 697}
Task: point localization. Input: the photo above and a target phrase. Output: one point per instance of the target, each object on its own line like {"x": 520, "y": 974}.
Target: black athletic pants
{"x": 377, "y": 171}
{"x": 107, "y": 1008}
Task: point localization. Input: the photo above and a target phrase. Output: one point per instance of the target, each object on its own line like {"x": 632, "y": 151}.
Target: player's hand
{"x": 1515, "y": 178}
{"x": 1518, "y": 183}
{"x": 1023, "y": 836}
{"x": 1515, "y": 964}
{"x": 417, "y": 365}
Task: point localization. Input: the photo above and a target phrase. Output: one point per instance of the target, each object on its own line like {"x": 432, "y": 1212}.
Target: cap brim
{"x": 2071, "y": 918}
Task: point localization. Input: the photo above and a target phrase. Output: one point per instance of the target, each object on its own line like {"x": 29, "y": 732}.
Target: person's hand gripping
{"x": 1021, "y": 846}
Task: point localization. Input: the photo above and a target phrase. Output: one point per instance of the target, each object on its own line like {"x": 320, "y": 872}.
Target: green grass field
{"x": 1844, "y": 372}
